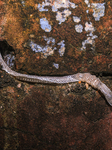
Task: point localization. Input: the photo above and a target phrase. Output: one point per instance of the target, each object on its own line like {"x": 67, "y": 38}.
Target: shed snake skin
{"x": 84, "y": 77}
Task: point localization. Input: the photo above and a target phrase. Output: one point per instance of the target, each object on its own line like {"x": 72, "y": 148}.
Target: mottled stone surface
{"x": 50, "y": 117}
{"x": 47, "y": 117}
{"x": 75, "y": 35}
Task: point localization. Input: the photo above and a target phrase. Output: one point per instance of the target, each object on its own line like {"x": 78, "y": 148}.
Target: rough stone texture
{"x": 53, "y": 117}
{"x": 50, "y": 117}
{"x": 21, "y": 24}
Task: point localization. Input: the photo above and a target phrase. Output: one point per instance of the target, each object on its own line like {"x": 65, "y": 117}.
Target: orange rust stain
{"x": 38, "y": 57}
{"x": 79, "y": 82}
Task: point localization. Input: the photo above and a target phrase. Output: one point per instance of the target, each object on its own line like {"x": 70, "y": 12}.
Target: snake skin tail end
{"x": 109, "y": 98}
{"x": 107, "y": 93}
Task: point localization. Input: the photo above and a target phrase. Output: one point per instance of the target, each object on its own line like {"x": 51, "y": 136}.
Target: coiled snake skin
{"x": 84, "y": 77}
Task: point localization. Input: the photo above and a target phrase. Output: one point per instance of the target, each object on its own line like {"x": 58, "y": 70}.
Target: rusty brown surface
{"x": 72, "y": 116}
{"x": 51, "y": 117}
{"x": 23, "y": 24}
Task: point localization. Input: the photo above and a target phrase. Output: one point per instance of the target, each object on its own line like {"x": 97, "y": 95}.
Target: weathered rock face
{"x": 55, "y": 37}
{"x": 59, "y": 37}
{"x": 53, "y": 117}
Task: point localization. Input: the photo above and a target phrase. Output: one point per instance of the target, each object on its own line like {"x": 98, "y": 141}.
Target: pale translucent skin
{"x": 84, "y": 77}
{"x": 96, "y": 83}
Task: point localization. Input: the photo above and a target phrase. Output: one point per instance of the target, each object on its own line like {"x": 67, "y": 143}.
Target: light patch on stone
{"x": 89, "y": 27}
{"x": 56, "y": 65}
{"x": 9, "y": 59}
{"x": 90, "y": 37}
{"x": 56, "y": 4}
{"x": 62, "y": 4}
{"x": 62, "y": 48}
{"x": 76, "y": 19}
{"x": 45, "y": 25}
{"x": 87, "y": 41}
{"x": 87, "y": 11}
{"x": 49, "y": 49}
{"x": 87, "y": 2}
{"x": 98, "y": 10}
{"x": 44, "y": 50}
{"x": 23, "y": 3}
{"x": 49, "y": 40}
{"x": 79, "y": 28}
{"x": 41, "y": 7}
{"x": 61, "y": 16}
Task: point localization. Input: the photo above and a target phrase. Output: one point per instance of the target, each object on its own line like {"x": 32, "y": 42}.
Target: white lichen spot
{"x": 45, "y": 51}
{"x": 41, "y": 7}
{"x": 88, "y": 41}
{"x": 9, "y": 59}
{"x": 56, "y": 65}
{"x": 23, "y": 3}
{"x": 98, "y": 10}
{"x": 62, "y": 9}
{"x": 57, "y": 4}
{"x": 79, "y": 28}
{"x": 76, "y": 19}
{"x": 49, "y": 48}
{"x": 62, "y": 48}
{"x": 89, "y": 27}
{"x": 61, "y": 16}
{"x": 45, "y": 25}
{"x": 49, "y": 40}
{"x": 90, "y": 37}
{"x": 87, "y": 11}
{"x": 87, "y": 2}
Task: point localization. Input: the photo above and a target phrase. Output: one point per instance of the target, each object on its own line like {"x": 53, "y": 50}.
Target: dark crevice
{"x": 8, "y": 54}
{"x": 102, "y": 74}
{"x": 5, "y": 48}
